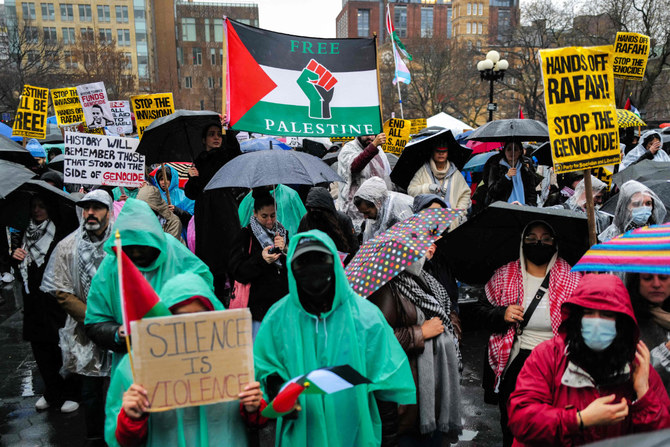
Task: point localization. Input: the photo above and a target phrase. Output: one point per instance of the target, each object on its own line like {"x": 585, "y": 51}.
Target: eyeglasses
{"x": 532, "y": 239}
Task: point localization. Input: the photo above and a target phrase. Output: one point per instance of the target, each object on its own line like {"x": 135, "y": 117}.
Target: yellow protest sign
{"x": 581, "y": 111}
{"x": 604, "y": 174}
{"x": 417, "y": 125}
{"x": 31, "y": 115}
{"x": 631, "y": 51}
{"x": 149, "y": 107}
{"x": 193, "y": 359}
{"x": 67, "y": 106}
{"x": 397, "y": 135}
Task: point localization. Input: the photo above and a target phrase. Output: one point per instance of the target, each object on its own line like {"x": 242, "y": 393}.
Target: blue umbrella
{"x": 262, "y": 144}
{"x": 461, "y": 138}
{"x": 7, "y": 131}
{"x": 477, "y": 162}
{"x": 52, "y": 119}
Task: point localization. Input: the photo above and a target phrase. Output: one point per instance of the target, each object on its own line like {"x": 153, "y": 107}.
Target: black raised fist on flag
{"x": 317, "y": 83}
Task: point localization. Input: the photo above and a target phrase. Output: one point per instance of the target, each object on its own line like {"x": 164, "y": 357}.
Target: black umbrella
{"x": 312, "y": 147}
{"x": 13, "y": 176}
{"x": 643, "y": 171}
{"x": 264, "y": 168}
{"x": 492, "y": 238}
{"x": 659, "y": 438}
{"x": 12, "y": 151}
{"x": 419, "y": 150}
{"x": 511, "y": 130}
{"x": 660, "y": 187}
{"x": 331, "y": 157}
{"x": 176, "y": 137}
{"x": 15, "y": 209}
{"x": 53, "y": 135}
{"x": 543, "y": 154}
{"x": 57, "y": 163}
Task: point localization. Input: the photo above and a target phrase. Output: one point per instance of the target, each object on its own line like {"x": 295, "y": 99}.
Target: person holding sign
{"x": 381, "y": 208}
{"x": 439, "y": 176}
{"x": 510, "y": 176}
{"x": 128, "y": 421}
{"x": 651, "y": 148}
{"x": 322, "y": 322}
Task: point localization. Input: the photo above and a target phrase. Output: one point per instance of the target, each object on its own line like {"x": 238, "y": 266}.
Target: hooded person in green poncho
{"x": 290, "y": 208}
{"x": 128, "y": 424}
{"x": 322, "y": 322}
{"x": 156, "y": 254}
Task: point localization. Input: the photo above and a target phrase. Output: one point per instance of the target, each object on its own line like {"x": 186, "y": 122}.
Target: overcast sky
{"x": 314, "y": 18}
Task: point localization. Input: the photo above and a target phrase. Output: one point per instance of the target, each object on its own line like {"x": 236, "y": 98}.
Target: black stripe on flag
{"x": 294, "y": 52}
{"x": 349, "y": 374}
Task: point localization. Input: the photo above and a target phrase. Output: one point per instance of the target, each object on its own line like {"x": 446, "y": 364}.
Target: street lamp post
{"x": 492, "y": 69}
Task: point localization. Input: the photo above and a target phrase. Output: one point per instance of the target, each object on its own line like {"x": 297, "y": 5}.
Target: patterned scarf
{"x": 266, "y": 237}
{"x": 36, "y": 241}
{"x": 89, "y": 256}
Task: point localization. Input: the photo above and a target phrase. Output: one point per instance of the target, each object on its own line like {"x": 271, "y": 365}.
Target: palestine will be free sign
{"x": 581, "y": 111}
{"x": 31, "y": 115}
{"x": 278, "y": 84}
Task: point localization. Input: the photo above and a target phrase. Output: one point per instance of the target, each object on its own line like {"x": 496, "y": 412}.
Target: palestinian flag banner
{"x": 279, "y": 84}
{"x": 320, "y": 381}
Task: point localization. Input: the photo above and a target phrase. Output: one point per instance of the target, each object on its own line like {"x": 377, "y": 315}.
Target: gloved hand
{"x": 434, "y": 188}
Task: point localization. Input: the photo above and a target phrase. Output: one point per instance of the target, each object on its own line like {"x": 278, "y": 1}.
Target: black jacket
{"x": 500, "y": 187}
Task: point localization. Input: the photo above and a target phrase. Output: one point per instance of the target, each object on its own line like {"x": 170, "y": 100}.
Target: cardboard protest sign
{"x": 417, "y": 125}
{"x": 193, "y": 359}
{"x": 631, "y": 51}
{"x": 31, "y": 115}
{"x": 102, "y": 160}
{"x": 123, "y": 122}
{"x": 67, "y": 106}
{"x": 397, "y": 135}
{"x": 93, "y": 98}
{"x": 581, "y": 112}
{"x": 149, "y": 107}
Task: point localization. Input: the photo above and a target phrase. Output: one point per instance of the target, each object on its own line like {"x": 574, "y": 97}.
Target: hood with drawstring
{"x": 177, "y": 196}
{"x": 639, "y": 150}
{"x": 292, "y": 342}
{"x": 199, "y": 426}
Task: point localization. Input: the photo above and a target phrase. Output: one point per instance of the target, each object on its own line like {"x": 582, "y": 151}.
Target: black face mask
{"x": 538, "y": 254}
{"x": 315, "y": 279}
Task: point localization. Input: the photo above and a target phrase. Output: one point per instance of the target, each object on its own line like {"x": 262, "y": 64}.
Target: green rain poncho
{"x": 138, "y": 225}
{"x": 289, "y": 208}
{"x": 201, "y": 426}
{"x": 292, "y": 342}
{"x": 130, "y": 192}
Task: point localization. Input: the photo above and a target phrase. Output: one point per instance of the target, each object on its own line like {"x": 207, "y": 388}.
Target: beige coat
{"x": 459, "y": 195}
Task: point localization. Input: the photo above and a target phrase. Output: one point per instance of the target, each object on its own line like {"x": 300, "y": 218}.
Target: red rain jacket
{"x": 543, "y": 411}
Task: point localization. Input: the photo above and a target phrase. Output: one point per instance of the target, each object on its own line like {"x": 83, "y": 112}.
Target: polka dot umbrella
{"x": 385, "y": 256}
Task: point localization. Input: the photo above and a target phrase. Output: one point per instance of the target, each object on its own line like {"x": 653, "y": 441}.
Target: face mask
{"x": 538, "y": 254}
{"x": 641, "y": 215}
{"x": 598, "y": 333}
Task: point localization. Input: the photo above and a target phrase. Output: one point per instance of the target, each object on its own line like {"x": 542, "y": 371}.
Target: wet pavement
{"x": 20, "y": 387}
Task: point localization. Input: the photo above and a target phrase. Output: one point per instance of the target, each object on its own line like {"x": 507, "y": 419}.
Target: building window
{"x": 48, "y": 12}
{"x": 202, "y": 104}
{"x": 207, "y": 31}
{"x": 32, "y": 34}
{"x": 481, "y": 9}
{"x": 104, "y": 14}
{"x": 129, "y": 61}
{"x": 427, "y": 22}
{"x": 469, "y": 45}
{"x": 363, "y": 22}
{"x": 66, "y": 12}
{"x": 180, "y": 56}
{"x": 210, "y": 82}
{"x": 50, "y": 34}
{"x": 400, "y": 20}
{"x": 121, "y": 14}
{"x": 504, "y": 23}
{"x": 468, "y": 29}
{"x": 480, "y": 28}
{"x": 188, "y": 29}
{"x": 469, "y": 10}
{"x": 28, "y": 11}
{"x": 479, "y": 45}
{"x": 123, "y": 37}
{"x": 218, "y": 30}
{"x": 220, "y": 82}
{"x": 140, "y": 36}
{"x": 139, "y": 13}
{"x": 70, "y": 61}
{"x": 105, "y": 35}
{"x": 449, "y": 25}
{"x": 220, "y": 56}
{"x": 85, "y": 14}
{"x": 87, "y": 34}
{"x": 188, "y": 82}
{"x": 68, "y": 36}
{"x": 212, "y": 55}
{"x": 197, "y": 56}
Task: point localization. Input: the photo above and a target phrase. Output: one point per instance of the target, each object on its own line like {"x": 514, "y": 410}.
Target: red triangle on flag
{"x": 627, "y": 106}
{"x": 248, "y": 82}
{"x": 139, "y": 299}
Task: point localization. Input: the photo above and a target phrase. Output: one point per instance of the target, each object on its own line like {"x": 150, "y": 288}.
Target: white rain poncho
{"x": 577, "y": 202}
{"x": 632, "y": 191}
{"x": 71, "y": 268}
{"x": 392, "y": 207}
{"x": 639, "y": 150}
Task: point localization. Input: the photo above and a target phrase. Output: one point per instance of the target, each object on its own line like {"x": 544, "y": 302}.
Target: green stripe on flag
{"x": 159, "y": 310}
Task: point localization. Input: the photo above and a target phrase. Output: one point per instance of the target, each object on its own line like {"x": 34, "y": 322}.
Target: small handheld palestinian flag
{"x": 320, "y": 381}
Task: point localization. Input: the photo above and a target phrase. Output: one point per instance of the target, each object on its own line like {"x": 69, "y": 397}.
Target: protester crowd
{"x": 571, "y": 358}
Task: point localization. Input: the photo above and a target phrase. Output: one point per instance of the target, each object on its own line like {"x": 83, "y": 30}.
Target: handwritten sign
{"x": 397, "y": 135}
{"x": 581, "y": 112}
{"x": 193, "y": 359}
{"x": 102, "y": 160}
{"x": 93, "y": 98}
{"x": 631, "y": 51}
{"x": 31, "y": 115}
{"x": 123, "y": 122}
{"x": 149, "y": 107}
{"x": 67, "y": 106}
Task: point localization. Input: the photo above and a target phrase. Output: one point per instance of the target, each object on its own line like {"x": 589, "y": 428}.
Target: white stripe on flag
{"x": 328, "y": 381}
{"x": 401, "y": 70}
{"x": 353, "y": 89}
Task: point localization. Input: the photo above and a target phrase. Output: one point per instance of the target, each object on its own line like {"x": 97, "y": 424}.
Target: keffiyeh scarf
{"x": 266, "y": 237}
{"x": 36, "y": 241}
